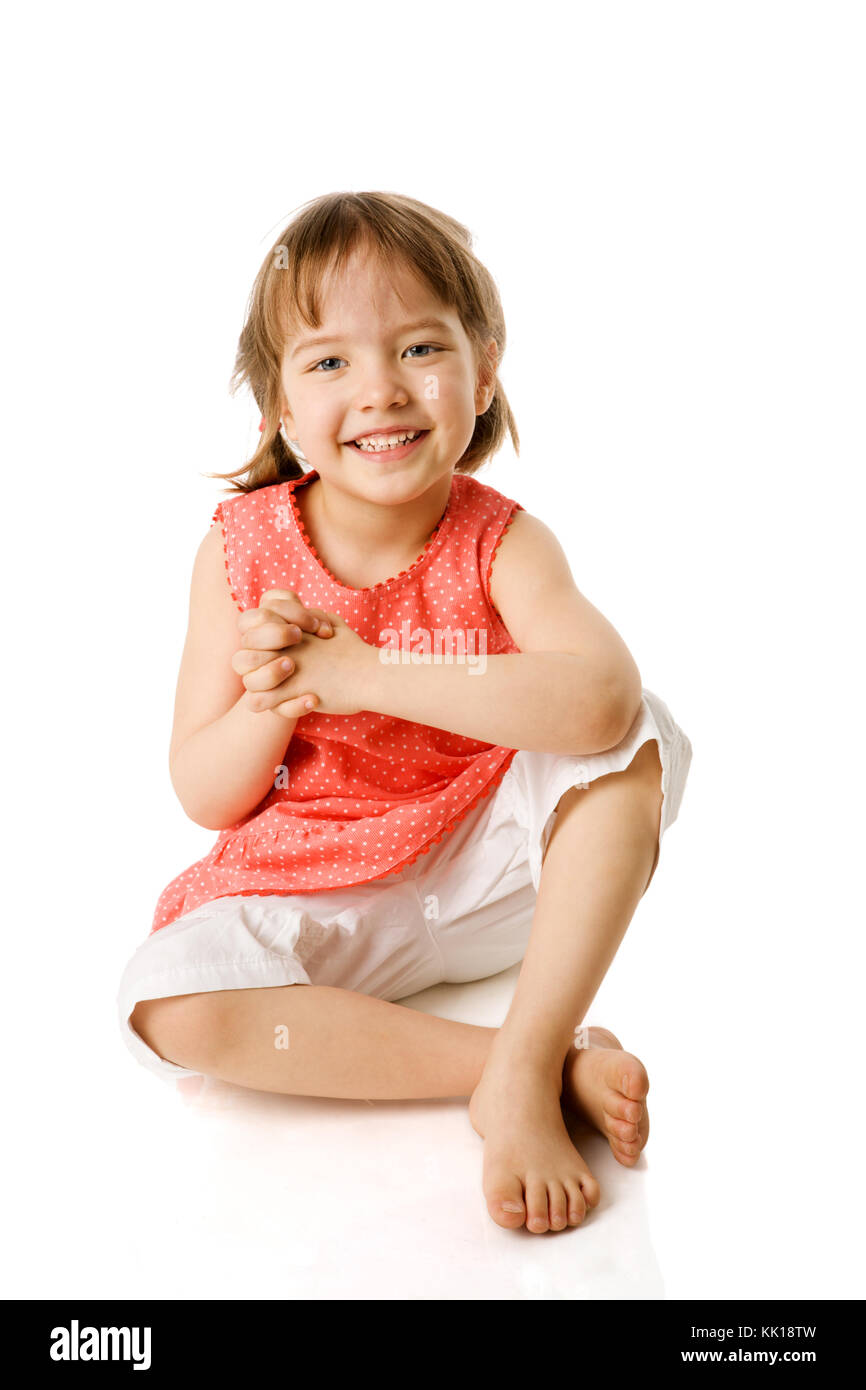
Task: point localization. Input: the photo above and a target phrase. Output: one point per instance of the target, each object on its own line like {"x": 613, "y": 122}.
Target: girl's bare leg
{"x": 353, "y": 1046}
{"x": 598, "y": 863}
{"x": 340, "y": 1043}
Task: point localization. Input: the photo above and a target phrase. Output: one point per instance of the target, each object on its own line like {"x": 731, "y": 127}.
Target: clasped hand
{"x": 291, "y": 654}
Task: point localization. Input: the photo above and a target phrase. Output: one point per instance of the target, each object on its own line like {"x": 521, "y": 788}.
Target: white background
{"x": 670, "y": 197}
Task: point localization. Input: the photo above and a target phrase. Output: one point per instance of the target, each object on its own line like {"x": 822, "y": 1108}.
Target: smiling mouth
{"x": 387, "y": 443}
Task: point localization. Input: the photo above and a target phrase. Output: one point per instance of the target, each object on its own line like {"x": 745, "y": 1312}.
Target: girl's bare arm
{"x": 223, "y": 755}
{"x": 573, "y": 687}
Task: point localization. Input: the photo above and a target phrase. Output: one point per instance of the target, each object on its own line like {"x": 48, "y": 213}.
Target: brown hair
{"x": 321, "y": 236}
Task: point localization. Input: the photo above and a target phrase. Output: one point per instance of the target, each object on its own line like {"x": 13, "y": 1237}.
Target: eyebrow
{"x": 322, "y": 339}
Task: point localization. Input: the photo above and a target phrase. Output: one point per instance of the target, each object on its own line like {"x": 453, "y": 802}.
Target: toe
{"x": 633, "y": 1080}
{"x": 623, "y": 1130}
{"x": 536, "y": 1205}
{"x": 643, "y": 1129}
{"x": 627, "y": 1138}
{"x": 628, "y": 1150}
{"x": 576, "y": 1203}
{"x": 557, "y": 1206}
{"x": 590, "y": 1189}
{"x": 505, "y": 1202}
{"x": 616, "y": 1107}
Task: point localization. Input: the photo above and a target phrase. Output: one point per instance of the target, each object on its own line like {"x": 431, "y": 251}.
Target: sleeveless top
{"x": 359, "y": 796}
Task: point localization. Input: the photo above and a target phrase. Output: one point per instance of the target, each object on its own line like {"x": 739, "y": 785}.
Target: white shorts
{"x": 462, "y": 911}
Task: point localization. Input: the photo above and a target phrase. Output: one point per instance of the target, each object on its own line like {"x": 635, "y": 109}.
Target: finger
{"x": 317, "y": 622}
{"x": 286, "y": 604}
{"x": 326, "y": 626}
{"x": 271, "y": 674}
{"x": 269, "y": 698}
{"x": 267, "y": 629}
{"x": 298, "y": 706}
{"x": 278, "y": 702}
{"x": 269, "y": 632}
{"x": 246, "y": 660}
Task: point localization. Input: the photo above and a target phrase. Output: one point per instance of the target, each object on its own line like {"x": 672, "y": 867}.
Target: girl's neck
{"x": 364, "y": 543}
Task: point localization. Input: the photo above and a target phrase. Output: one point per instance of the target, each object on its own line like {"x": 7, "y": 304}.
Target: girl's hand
{"x": 278, "y": 623}
{"x": 334, "y": 673}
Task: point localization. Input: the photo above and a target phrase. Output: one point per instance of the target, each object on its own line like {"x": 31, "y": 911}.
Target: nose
{"x": 379, "y": 388}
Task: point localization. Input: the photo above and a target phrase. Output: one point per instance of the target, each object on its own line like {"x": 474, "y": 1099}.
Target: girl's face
{"x": 379, "y": 365}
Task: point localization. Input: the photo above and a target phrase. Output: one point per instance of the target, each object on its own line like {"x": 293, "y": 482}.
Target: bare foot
{"x": 608, "y": 1086}
{"x": 532, "y": 1173}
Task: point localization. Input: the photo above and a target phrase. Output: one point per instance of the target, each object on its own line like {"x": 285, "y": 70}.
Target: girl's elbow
{"x": 622, "y": 706}
{"x": 196, "y": 810}
{"x": 207, "y": 822}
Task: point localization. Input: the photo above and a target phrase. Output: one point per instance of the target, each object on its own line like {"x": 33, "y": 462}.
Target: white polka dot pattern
{"x": 367, "y": 793}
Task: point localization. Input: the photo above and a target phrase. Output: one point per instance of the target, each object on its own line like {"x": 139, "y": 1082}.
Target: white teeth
{"x": 378, "y": 442}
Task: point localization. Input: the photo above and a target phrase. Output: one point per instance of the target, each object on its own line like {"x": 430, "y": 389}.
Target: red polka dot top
{"x": 360, "y": 796}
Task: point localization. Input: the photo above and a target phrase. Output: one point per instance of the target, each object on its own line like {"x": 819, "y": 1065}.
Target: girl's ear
{"x": 288, "y": 419}
{"x": 485, "y": 387}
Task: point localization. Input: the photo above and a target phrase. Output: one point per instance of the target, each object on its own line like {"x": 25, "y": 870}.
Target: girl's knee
{"x": 182, "y": 1028}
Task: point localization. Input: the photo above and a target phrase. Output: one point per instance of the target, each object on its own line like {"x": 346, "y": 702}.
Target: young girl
{"x": 427, "y": 755}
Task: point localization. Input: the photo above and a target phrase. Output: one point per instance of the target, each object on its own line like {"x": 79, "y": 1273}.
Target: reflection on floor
{"x": 256, "y": 1195}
